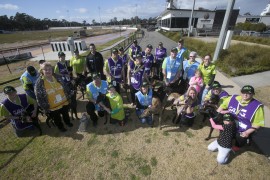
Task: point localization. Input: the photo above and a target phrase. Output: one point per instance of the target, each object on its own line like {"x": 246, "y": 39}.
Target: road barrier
{"x": 64, "y": 46}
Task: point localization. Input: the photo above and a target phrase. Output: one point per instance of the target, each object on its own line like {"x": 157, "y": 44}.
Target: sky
{"x": 105, "y": 10}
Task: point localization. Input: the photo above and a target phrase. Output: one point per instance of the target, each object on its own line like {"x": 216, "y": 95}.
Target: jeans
{"x": 204, "y": 92}
{"x": 147, "y": 119}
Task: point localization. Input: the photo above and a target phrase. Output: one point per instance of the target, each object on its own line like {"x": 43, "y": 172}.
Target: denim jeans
{"x": 204, "y": 93}
{"x": 147, "y": 119}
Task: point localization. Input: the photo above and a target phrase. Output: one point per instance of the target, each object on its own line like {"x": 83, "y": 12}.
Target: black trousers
{"x": 132, "y": 93}
{"x": 241, "y": 141}
{"x": 56, "y": 116}
{"x": 90, "y": 109}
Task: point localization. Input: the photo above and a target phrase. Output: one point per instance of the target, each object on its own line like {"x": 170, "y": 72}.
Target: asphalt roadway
{"x": 231, "y": 85}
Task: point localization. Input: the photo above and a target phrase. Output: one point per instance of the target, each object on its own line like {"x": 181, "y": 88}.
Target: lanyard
{"x": 171, "y": 66}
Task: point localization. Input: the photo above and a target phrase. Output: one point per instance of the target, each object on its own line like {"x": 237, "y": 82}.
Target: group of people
{"x": 50, "y": 90}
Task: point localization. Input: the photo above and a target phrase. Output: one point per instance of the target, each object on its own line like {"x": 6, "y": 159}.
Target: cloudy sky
{"x": 104, "y": 10}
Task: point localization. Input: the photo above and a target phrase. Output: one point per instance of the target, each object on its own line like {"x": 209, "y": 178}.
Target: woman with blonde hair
{"x": 53, "y": 96}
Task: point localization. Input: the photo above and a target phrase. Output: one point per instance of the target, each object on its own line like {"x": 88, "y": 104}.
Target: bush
{"x": 252, "y": 39}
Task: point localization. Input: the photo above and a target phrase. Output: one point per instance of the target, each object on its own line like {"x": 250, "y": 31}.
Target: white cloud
{"x": 9, "y": 7}
{"x": 81, "y": 10}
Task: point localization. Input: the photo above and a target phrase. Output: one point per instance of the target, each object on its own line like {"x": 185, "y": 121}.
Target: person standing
{"x": 28, "y": 80}
{"x": 190, "y": 66}
{"x": 208, "y": 70}
{"x": 53, "y": 96}
{"x": 96, "y": 91}
{"x": 182, "y": 51}
{"x": 248, "y": 111}
{"x": 136, "y": 75}
{"x": 160, "y": 55}
{"x": 125, "y": 60}
{"x": 95, "y": 62}
{"x": 134, "y": 50}
{"x": 114, "y": 71}
{"x": 171, "y": 69}
{"x": 78, "y": 62}
{"x": 148, "y": 59}
{"x": 61, "y": 67}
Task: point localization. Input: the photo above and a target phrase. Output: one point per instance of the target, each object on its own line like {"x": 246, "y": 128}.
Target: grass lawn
{"x": 134, "y": 151}
{"x": 46, "y": 35}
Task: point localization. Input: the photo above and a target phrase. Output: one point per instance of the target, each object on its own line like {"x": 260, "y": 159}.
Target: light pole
{"x": 191, "y": 17}
{"x": 224, "y": 29}
{"x": 136, "y": 15}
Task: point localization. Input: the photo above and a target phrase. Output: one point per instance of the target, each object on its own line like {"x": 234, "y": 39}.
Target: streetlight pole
{"x": 136, "y": 15}
{"x": 224, "y": 29}
{"x": 191, "y": 17}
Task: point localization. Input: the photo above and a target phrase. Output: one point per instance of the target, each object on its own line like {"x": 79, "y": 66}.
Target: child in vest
{"x": 224, "y": 143}
{"x": 196, "y": 81}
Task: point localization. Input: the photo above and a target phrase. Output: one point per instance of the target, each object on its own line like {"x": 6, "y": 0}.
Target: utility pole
{"x": 191, "y": 17}
{"x": 224, "y": 29}
{"x": 136, "y": 15}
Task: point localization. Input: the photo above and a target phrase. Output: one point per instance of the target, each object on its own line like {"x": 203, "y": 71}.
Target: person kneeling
{"x": 224, "y": 143}
{"x": 116, "y": 109}
{"x": 143, "y": 101}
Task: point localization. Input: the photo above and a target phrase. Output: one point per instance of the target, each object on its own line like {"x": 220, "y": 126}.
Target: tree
{"x": 94, "y": 22}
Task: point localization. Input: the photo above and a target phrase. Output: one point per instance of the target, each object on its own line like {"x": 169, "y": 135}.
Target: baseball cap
{"x": 135, "y": 41}
{"x": 60, "y": 53}
{"x": 247, "y": 89}
{"x": 144, "y": 84}
{"x": 228, "y": 117}
{"x": 160, "y": 43}
{"x": 216, "y": 85}
{"x": 114, "y": 50}
{"x": 31, "y": 70}
{"x": 149, "y": 46}
{"x": 96, "y": 76}
{"x": 9, "y": 89}
{"x": 174, "y": 49}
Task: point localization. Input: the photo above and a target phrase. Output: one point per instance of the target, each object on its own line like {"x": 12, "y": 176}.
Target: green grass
{"x": 252, "y": 39}
{"x": 145, "y": 170}
{"x": 154, "y": 161}
{"x": 115, "y": 154}
{"x": 93, "y": 140}
{"x": 45, "y": 35}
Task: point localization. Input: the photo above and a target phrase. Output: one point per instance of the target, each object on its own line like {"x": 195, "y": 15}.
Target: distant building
{"x": 173, "y": 19}
{"x": 264, "y": 17}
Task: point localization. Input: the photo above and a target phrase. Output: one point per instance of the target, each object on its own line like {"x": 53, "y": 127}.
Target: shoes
{"x": 63, "y": 129}
{"x": 70, "y": 125}
{"x": 235, "y": 148}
